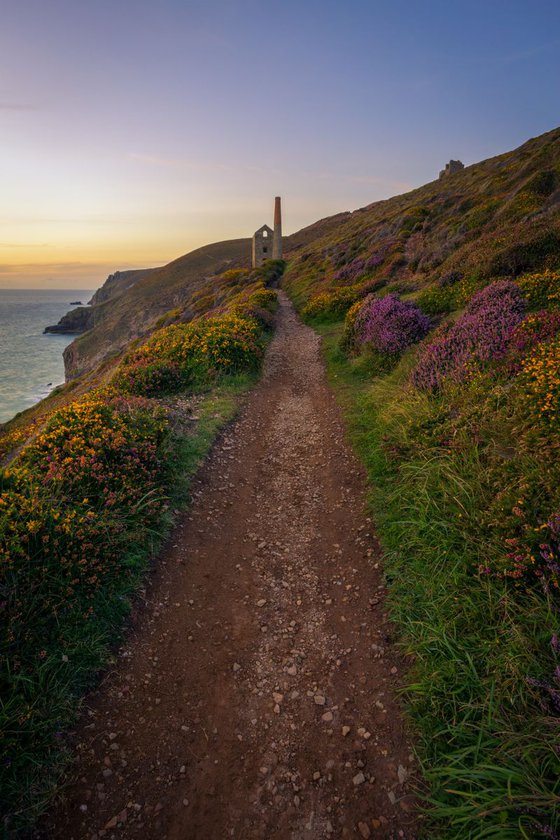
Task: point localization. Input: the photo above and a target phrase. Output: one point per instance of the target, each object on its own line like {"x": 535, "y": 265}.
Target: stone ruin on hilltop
{"x": 451, "y": 168}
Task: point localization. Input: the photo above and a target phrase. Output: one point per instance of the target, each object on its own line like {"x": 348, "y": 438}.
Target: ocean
{"x": 31, "y": 363}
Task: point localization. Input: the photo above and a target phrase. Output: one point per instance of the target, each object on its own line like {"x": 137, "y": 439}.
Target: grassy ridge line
{"x": 31, "y": 776}
{"x": 486, "y": 747}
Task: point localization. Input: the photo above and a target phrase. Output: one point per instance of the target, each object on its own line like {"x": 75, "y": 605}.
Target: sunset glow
{"x": 133, "y": 133}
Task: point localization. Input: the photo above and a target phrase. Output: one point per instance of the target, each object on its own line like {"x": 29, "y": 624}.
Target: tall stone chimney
{"x": 277, "y": 240}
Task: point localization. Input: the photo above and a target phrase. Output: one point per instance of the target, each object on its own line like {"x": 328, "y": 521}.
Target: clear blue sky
{"x": 134, "y": 131}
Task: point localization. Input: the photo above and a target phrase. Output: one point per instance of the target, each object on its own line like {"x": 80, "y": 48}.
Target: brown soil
{"x": 256, "y": 696}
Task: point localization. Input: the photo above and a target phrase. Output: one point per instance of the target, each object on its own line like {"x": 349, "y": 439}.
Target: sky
{"x": 133, "y": 131}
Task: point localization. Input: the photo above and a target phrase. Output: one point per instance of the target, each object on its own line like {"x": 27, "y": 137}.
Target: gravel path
{"x": 256, "y": 696}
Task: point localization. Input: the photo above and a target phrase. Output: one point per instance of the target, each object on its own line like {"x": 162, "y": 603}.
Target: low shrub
{"x": 541, "y": 290}
{"x": 534, "y": 329}
{"x": 76, "y": 511}
{"x": 332, "y": 305}
{"x": 540, "y": 381}
{"x": 185, "y": 354}
{"x": 389, "y": 325}
{"x": 482, "y": 333}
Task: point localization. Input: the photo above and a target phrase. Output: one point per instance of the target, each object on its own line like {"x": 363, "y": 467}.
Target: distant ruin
{"x": 451, "y": 168}
{"x": 267, "y": 243}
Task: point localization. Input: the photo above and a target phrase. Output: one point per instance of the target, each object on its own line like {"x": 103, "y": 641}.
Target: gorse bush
{"x": 541, "y": 290}
{"x": 332, "y": 305}
{"x": 74, "y": 511}
{"x": 183, "y": 354}
{"x": 540, "y": 381}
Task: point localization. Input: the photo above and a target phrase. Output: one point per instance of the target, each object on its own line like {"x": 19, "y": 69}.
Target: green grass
{"x": 30, "y": 774}
{"x": 486, "y": 744}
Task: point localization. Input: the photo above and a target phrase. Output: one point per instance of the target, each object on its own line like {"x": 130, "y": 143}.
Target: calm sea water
{"x": 31, "y": 363}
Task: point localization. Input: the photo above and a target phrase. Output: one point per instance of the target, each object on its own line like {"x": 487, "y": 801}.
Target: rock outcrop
{"x": 74, "y": 322}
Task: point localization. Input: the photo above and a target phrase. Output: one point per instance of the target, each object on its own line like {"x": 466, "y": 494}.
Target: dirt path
{"x": 255, "y": 698}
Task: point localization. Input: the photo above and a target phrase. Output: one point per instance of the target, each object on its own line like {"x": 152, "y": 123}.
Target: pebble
{"x": 359, "y": 779}
{"x": 319, "y": 700}
{"x": 327, "y": 717}
{"x": 345, "y": 731}
{"x": 364, "y": 830}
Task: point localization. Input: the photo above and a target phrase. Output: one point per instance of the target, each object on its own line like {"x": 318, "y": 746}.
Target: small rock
{"x": 261, "y": 602}
{"x": 292, "y": 670}
{"x": 236, "y": 667}
{"x": 319, "y": 700}
{"x": 402, "y": 773}
{"x": 363, "y": 828}
{"x": 345, "y": 731}
{"x": 359, "y": 779}
{"x": 327, "y": 717}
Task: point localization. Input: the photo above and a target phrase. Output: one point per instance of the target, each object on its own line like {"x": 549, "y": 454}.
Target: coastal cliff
{"x": 84, "y": 318}
{"x": 143, "y": 297}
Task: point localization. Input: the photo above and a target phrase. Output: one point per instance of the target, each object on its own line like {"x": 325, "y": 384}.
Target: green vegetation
{"x": 482, "y": 690}
{"x": 459, "y": 434}
{"x": 86, "y": 499}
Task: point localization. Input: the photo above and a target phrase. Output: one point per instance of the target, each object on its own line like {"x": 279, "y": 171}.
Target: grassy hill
{"x": 498, "y": 218}
{"x": 440, "y": 311}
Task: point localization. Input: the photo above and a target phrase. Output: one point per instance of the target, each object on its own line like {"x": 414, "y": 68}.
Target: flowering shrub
{"x": 183, "y": 354}
{"x": 542, "y": 289}
{"x": 534, "y": 550}
{"x": 534, "y": 329}
{"x": 540, "y": 381}
{"x": 350, "y": 271}
{"x": 333, "y": 305}
{"x": 349, "y": 339}
{"x": 482, "y": 333}
{"x": 76, "y": 509}
{"x": 389, "y": 324}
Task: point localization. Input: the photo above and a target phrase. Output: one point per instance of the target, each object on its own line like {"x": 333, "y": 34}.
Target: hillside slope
{"x": 440, "y": 312}
{"x": 132, "y": 313}
{"x": 497, "y": 218}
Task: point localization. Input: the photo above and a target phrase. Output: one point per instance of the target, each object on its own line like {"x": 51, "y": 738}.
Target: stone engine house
{"x": 267, "y": 243}
{"x": 262, "y": 245}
